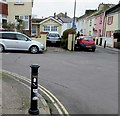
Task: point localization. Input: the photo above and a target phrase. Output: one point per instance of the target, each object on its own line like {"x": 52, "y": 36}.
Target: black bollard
{"x": 34, "y": 90}
{"x": 105, "y": 44}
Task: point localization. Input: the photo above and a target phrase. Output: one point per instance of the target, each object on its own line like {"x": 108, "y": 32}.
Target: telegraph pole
{"x": 74, "y": 25}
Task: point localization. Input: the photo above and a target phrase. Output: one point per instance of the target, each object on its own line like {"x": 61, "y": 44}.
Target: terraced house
{"x": 21, "y": 9}
{"x": 101, "y": 24}
{"x": 112, "y": 20}
{"x": 3, "y": 12}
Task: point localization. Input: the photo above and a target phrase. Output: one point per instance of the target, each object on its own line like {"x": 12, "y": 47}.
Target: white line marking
{"x": 66, "y": 112}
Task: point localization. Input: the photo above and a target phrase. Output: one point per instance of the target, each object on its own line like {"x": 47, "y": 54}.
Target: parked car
{"x": 19, "y": 41}
{"x": 84, "y": 42}
{"x": 53, "y": 38}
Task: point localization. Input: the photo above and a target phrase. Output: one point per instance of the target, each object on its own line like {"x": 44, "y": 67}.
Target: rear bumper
{"x": 86, "y": 46}
{"x": 53, "y": 41}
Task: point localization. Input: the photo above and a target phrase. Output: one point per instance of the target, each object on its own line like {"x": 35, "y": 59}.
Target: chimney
{"x": 65, "y": 14}
{"x": 100, "y": 7}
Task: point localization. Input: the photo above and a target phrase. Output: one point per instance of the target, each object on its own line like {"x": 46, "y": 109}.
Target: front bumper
{"x": 41, "y": 49}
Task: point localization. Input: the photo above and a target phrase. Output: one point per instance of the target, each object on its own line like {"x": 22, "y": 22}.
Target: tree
{"x": 8, "y": 26}
{"x": 20, "y": 25}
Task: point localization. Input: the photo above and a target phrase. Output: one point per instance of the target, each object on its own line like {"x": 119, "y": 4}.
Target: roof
{"x": 52, "y": 19}
{"x": 87, "y": 13}
{"x": 62, "y": 15}
{"x": 114, "y": 9}
{"x": 66, "y": 20}
{"x": 105, "y": 6}
{"x": 40, "y": 21}
{"x": 97, "y": 12}
{"x": 36, "y": 20}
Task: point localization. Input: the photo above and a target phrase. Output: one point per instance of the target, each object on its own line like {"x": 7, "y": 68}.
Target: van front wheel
{"x": 34, "y": 49}
{"x": 1, "y": 48}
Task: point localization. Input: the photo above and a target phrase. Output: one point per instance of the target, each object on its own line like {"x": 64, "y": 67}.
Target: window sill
{"x": 25, "y": 29}
{"x": 18, "y": 3}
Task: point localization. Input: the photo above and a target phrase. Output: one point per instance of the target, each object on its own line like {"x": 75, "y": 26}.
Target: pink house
{"x": 100, "y": 24}
{"x": 100, "y": 18}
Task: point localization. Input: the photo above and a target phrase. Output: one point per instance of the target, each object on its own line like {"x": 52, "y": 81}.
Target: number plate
{"x": 88, "y": 46}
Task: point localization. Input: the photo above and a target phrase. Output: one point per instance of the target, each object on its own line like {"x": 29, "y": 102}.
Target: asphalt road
{"x": 85, "y": 82}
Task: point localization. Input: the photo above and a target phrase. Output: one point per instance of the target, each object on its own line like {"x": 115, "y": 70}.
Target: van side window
{"x": 9, "y": 36}
{"x": 21, "y": 37}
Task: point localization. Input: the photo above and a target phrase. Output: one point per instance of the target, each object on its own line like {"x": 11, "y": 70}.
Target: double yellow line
{"x": 55, "y": 101}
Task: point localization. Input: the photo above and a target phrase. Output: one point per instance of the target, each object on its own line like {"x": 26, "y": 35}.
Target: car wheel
{"x": 34, "y": 49}
{"x": 93, "y": 50}
{"x": 1, "y": 48}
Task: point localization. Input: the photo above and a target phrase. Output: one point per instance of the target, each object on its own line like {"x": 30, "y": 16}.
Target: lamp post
{"x": 74, "y": 25}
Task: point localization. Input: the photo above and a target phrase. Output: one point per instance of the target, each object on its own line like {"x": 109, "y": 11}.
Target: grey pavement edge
{"x": 109, "y": 48}
{"x": 16, "y": 97}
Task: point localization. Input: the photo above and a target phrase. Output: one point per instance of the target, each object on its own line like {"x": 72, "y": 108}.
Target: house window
{"x": 16, "y": 17}
{"x": 110, "y": 20}
{"x": 4, "y": 22}
{"x": 19, "y": 2}
{"x": 100, "y": 33}
{"x": 50, "y": 28}
{"x": 89, "y": 33}
{"x": 25, "y": 21}
{"x": 46, "y": 28}
{"x": 53, "y": 28}
{"x": 90, "y": 22}
{"x": 101, "y": 19}
{"x": 108, "y": 33}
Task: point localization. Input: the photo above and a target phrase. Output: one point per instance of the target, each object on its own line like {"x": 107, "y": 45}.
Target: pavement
{"x": 109, "y": 48}
{"x": 15, "y": 97}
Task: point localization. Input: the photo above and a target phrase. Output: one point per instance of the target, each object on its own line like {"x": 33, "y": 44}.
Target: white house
{"x": 84, "y": 22}
{"x": 91, "y": 26}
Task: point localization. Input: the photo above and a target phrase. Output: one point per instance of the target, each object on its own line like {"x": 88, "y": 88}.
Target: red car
{"x": 84, "y": 42}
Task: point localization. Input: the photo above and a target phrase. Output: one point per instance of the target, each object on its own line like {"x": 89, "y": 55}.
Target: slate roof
{"x": 96, "y": 12}
{"x": 36, "y": 20}
{"x": 66, "y": 20}
{"x": 114, "y": 9}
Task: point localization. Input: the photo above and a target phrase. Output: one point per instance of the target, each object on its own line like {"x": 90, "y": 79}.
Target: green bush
{"x": 67, "y": 32}
{"x": 64, "y": 43}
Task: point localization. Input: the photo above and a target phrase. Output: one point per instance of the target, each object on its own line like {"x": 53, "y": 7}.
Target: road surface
{"x": 85, "y": 82}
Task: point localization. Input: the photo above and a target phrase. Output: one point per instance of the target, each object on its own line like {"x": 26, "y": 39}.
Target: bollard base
{"x": 33, "y": 112}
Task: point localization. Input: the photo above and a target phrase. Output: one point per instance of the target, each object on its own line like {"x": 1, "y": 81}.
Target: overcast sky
{"x": 46, "y": 8}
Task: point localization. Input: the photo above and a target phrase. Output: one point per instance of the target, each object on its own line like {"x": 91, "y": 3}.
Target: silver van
{"x": 19, "y": 41}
